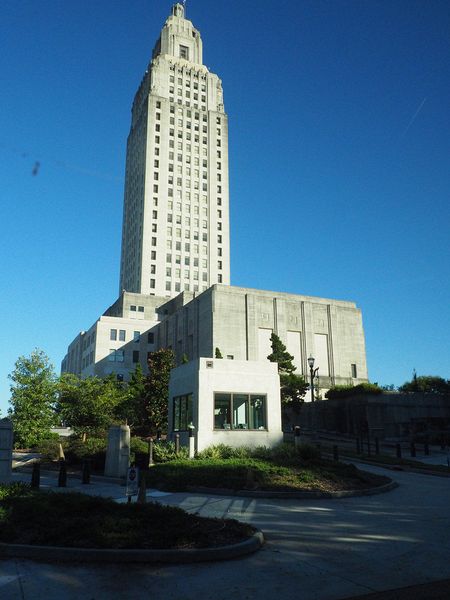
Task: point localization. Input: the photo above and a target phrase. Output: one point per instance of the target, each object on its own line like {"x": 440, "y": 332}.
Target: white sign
{"x": 132, "y": 481}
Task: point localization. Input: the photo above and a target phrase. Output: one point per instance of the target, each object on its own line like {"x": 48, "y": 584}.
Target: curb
{"x": 393, "y": 467}
{"x": 387, "y": 487}
{"x": 59, "y": 554}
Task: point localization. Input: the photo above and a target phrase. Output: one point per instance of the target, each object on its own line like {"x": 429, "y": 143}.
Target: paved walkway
{"x": 315, "y": 550}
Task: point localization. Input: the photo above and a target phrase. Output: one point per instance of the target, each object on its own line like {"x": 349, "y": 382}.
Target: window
{"x": 150, "y": 337}
{"x": 239, "y": 411}
{"x": 133, "y": 308}
{"x": 122, "y": 334}
{"x": 230, "y": 357}
{"x": 113, "y": 334}
{"x": 182, "y": 412}
{"x": 140, "y": 308}
{"x": 112, "y": 356}
{"x": 115, "y": 356}
{"x": 354, "y": 372}
{"x": 135, "y": 356}
{"x": 152, "y": 283}
{"x": 184, "y": 52}
{"x": 136, "y": 336}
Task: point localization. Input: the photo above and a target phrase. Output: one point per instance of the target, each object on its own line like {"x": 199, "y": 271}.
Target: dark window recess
{"x": 354, "y": 371}
{"x": 135, "y": 356}
{"x": 151, "y": 338}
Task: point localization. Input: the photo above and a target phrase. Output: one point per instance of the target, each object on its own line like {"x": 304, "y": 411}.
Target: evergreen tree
{"x": 132, "y": 408}
{"x": 293, "y": 387}
{"x": 33, "y": 396}
{"x": 280, "y": 355}
{"x": 160, "y": 364}
{"x": 218, "y": 353}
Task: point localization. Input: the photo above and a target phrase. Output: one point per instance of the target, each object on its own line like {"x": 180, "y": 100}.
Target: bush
{"x": 345, "y": 391}
{"x": 222, "y": 451}
{"x": 50, "y": 448}
{"x": 308, "y": 452}
{"x": 93, "y": 448}
{"x": 164, "y": 451}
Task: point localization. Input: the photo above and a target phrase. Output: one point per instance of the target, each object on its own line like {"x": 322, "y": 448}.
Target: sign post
{"x": 132, "y": 482}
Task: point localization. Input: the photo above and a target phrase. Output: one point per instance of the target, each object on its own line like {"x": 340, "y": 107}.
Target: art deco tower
{"x": 175, "y": 234}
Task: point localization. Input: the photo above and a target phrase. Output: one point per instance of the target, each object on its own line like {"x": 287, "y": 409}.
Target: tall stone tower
{"x": 175, "y": 234}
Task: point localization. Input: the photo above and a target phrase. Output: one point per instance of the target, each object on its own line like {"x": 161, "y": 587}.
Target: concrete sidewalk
{"x": 315, "y": 550}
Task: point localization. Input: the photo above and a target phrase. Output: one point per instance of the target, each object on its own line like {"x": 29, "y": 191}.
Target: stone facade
{"x": 175, "y": 234}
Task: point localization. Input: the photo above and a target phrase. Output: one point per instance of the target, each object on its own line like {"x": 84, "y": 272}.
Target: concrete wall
{"x": 204, "y": 377}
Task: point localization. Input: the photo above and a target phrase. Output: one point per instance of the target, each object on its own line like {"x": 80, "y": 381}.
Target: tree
{"x": 88, "y": 405}
{"x": 160, "y": 364}
{"x": 293, "y": 387}
{"x": 184, "y": 359}
{"x": 218, "y": 353}
{"x": 132, "y": 408}
{"x": 33, "y": 395}
{"x": 280, "y": 355}
{"x": 431, "y": 384}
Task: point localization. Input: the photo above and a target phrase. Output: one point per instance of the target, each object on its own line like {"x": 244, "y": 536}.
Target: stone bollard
{"x": 150, "y": 452}
{"x": 426, "y": 449}
{"x": 413, "y": 449}
{"x": 118, "y": 451}
{"x": 398, "y": 449}
{"x": 62, "y": 477}
{"x": 377, "y": 446}
{"x": 358, "y": 446}
{"x": 336, "y": 453}
{"x": 6, "y": 444}
{"x": 36, "y": 475}
{"x": 297, "y": 436}
{"x": 86, "y": 473}
{"x": 191, "y": 441}
{"x": 177, "y": 443}
{"x": 142, "y": 492}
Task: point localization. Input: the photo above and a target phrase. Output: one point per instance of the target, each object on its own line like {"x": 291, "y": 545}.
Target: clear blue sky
{"x": 339, "y": 152}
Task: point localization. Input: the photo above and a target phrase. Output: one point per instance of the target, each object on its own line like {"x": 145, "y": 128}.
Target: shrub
{"x": 344, "y": 391}
{"x": 164, "y": 451}
{"x": 50, "y": 448}
{"x": 93, "y": 449}
{"x": 308, "y": 452}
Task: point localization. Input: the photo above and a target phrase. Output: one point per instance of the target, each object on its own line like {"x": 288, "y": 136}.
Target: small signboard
{"x": 132, "y": 482}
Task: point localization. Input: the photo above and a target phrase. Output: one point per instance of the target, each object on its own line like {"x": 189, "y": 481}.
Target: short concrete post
{"x": 36, "y": 475}
{"x": 426, "y": 449}
{"x": 398, "y": 449}
{"x": 118, "y": 452}
{"x": 86, "y": 473}
{"x": 413, "y": 449}
{"x": 336, "y": 453}
{"x": 191, "y": 441}
{"x": 62, "y": 477}
{"x": 142, "y": 492}
{"x": 297, "y": 436}
{"x": 150, "y": 452}
{"x": 177, "y": 443}
{"x": 377, "y": 446}
{"x": 6, "y": 444}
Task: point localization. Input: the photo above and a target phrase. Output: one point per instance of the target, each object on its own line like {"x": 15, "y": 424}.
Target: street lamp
{"x": 313, "y": 371}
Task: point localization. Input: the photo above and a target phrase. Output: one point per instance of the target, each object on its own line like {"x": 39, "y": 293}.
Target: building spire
{"x": 178, "y": 9}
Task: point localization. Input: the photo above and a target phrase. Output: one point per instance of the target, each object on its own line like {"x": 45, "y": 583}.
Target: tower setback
{"x": 175, "y": 234}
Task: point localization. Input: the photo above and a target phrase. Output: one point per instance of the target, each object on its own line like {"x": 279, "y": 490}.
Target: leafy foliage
{"x": 132, "y": 406}
{"x": 345, "y": 391}
{"x": 293, "y": 387}
{"x": 88, "y": 405}
{"x": 430, "y": 384}
{"x": 280, "y": 355}
{"x": 160, "y": 364}
{"x": 33, "y": 395}
{"x": 218, "y": 353}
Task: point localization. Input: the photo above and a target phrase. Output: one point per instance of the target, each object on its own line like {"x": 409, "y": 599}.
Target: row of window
{"x": 231, "y": 411}
{"x": 121, "y": 336}
{"x": 119, "y": 355}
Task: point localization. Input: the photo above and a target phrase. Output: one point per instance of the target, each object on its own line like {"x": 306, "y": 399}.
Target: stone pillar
{"x": 118, "y": 451}
{"x": 6, "y": 443}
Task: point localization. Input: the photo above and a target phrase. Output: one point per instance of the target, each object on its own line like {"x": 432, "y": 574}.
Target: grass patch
{"x": 81, "y": 521}
{"x": 286, "y": 474}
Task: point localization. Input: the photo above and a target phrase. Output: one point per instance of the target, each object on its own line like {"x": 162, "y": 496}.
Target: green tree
{"x": 184, "y": 359}
{"x": 431, "y": 384}
{"x": 218, "y": 353}
{"x": 132, "y": 408}
{"x": 33, "y": 395}
{"x": 160, "y": 364}
{"x": 280, "y": 355}
{"x": 293, "y": 387}
{"x": 88, "y": 405}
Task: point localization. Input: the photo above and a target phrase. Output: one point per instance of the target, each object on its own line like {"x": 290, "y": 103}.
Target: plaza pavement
{"x": 315, "y": 550}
